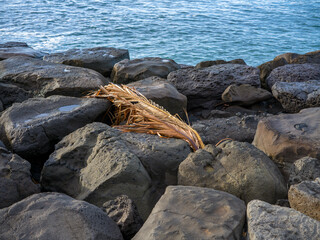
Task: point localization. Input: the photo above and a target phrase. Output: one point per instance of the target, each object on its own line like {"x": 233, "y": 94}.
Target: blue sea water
{"x": 187, "y": 31}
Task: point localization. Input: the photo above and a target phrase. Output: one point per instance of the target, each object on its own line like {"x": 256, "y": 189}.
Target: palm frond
{"x": 144, "y": 116}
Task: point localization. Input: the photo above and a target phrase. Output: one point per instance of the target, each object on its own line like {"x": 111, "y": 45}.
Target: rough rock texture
{"x": 295, "y": 96}
{"x": 124, "y": 212}
{"x": 10, "y": 94}
{"x": 15, "y": 178}
{"x": 294, "y": 73}
{"x": 97, "y": 163}
{"x": 50, "y": 216}
{"x": 288, "y": 137}
{"x": 234, "y": 167}
{"x": 267, "y": 221}
{"x": 205, "y": 64}
{"x": 127, "y": 71}
{"x": 245, "y": 94}
{"x": 163, "y": 93}
{"x": 305, "y": 198}
{"x": 100, "y": 59}
{"x": 203, "y": 87}
{"x": 240, "y": 129}
{"x": 11, "y": 49}
{"x": 32, "y": 128}
{"x": 194, "y": 213}
{"x": 306, "y": 168}
{"x": 43, "y": 79}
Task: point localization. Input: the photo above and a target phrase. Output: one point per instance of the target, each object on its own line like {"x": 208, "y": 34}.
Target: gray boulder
{"x": 305, "y": 198}
{"x": 100, "y": 59}
{"x": 205, "y": 64}
{"x": 240, "y": 129}
{"x": 304, "y": 169}
{"x": 15, "y": 179}
{"x": 234, "y": 167}
{"x": 203, "y": 87}
{"x": 50, "y": 216}
{"x": 10, "y": 94}
{"x": 124, "y": 212}
{"x": 12, "y": 49}
{"x": 127, "y": 71}
{"x": 286, "y": 138}
{"x": 163, "y": 93}
{"x": 32, "y": 128}
{"x": 266, "y": 221}
{"x": 194, "y": 213}
{"x": 43, "y": 79}
{"x": 97, "y": 163}
{"x": 294, "y": 73}
{"x": 295, "y": 96}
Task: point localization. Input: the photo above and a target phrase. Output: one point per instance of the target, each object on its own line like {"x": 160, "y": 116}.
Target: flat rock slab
{"x": 100, "y": 59}
{"x": 294, "y": 73}
{"x": 32, "y": 128}
{"x": 97, "y": 163}
{"x": 194, "y": 213}
{"x": 160, "y": 91}
{"x": 15, "y": 179}
{"x": 128, "y": 71}
{"x": 234, "y": 167}
{"x": 304, "y": 169}
{"x": 203, "y": 87}
{"x": 295, "y": 96}
{"x": 12, "y": 49}
{"x": 305, "y": 198}
{"x": 240, "y": 129}
{"x": 289, "y": 137}
{"x": 266, "y": 221}
{"x": 43, "y": 79}
{"x": 49, "y": 216}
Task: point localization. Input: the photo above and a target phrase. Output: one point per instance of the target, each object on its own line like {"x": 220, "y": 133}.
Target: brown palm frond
{"x": 144, "y": 116}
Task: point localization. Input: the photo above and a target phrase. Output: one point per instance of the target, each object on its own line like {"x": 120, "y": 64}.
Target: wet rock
{"x": 97, "y": 163}
{"x": 294, "y": 73}
{"x": 295, "y": 96}
{"x": 305, "y": 198}
{"x": 234, "y": 167}
{"x": 245, "y": 94}
{"x": 237, "y": 128}
{"x": 288, "y": 137}
{"x": 128, "y": 71}
{"x": 43, "y": 79}
{"x": 124, "y": 212}
{"x": 267, "y": 221}
{"x": 205, "y": 64}
{"x": 194, "y": 213}
{"x": 203, "y": 87}
{"x": 10, "y": 94}
{"x": 48, "y": 216}
{"x": 12, "y": 49}
{"x": 32, "y": 128}
{"x": 163, "y": 93}
{"x": 304, "y": 169}
{"x": 15, "y": 178}
{"x": 100, "y": 59}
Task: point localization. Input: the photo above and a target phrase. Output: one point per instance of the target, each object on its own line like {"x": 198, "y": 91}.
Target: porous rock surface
{"x": 304, "y": 169}
{"x": 127, "y": 71}
{"x": 234, "y": 167}
{"x": 97, "y": 163}
{"x": 31, "y": 128}
{"x": 295, "y": 96}
{"x": 266, "y": 221}
{"x": 100, "y": 59}
{"x": 42, "y": 79}
{"x": 203, "y": 87}
{"x": 194, "y": 213}
{"x": 50, "y": 216}
{"x": 205, "y": 64}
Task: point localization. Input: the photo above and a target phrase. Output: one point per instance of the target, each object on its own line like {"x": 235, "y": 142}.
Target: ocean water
{"x": 187, "y": 31}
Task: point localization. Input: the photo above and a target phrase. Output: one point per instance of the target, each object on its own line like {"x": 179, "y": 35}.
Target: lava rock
{"x": 10, "y": 94}
{"x": 12, "y": 49}
{"x": 304, "y": 169}
{"x": 205, "y": 64}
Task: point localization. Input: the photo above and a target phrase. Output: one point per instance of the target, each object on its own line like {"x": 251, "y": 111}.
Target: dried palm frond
{"x": 144, "y": 116}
